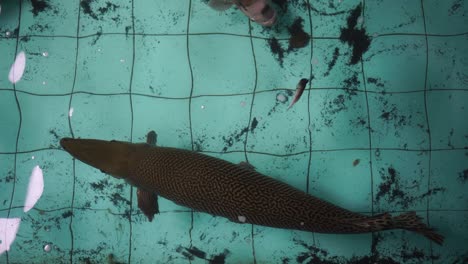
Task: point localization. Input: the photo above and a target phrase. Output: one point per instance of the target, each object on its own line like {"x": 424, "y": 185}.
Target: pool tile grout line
{"x": 187, "y": 36}
{"x": 18, "y": 105}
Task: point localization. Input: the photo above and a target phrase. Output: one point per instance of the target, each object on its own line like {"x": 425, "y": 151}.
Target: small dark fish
{"x": 356, "y": 162}
{"x": 299, "y": 90}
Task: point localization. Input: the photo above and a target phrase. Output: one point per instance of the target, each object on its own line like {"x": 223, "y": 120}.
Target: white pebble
{"x": 32, "y": 157}
{"x": 17, "y": 69}
{"x": 242, "y": 103}
{"x": 70, "y": 112}
{"x": 45, "y": 53}
{"x": 7, "y": 33}
{"x": 47, "y": 248}
{"x": 43, "y": 83}
{"x": 281, "y": 98}
{"x": 122, "y": 60}
{"x": 241, "y": 219}
{"x": 202, "y": 107}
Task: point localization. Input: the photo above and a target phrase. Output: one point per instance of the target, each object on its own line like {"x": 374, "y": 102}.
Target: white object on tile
{"x": 17, "y": 69}
{"x": 35, "y": 188}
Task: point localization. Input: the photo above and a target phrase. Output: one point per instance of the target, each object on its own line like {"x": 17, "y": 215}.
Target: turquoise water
{"x": 380, "y": 127}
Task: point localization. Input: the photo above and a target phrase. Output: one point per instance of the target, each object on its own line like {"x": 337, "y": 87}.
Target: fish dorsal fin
{"x": 247, "y": 165}
{"x": 152, "y": 138}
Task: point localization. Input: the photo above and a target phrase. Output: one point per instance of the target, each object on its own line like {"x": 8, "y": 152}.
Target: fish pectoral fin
{"x": 247, "y": 165}
{"x": 152, "y": 138}
{"x": 148, "y": 203}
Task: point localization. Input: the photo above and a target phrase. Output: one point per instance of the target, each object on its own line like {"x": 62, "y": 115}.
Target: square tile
{"x": 57, "y": 176}
{"x": 105, "y": 117}
{"x": 338, "y": 119}
{"x": 51, "y": 17}
{"x": 447, "y": 111}
{"x": 7, "y": 49}
{"x": 9, "y": 121}
{"x": 217, "y": 236}
{"x": 293, "y": 66}
{"x": 291, "y": 169}
{"x": 169, "y": 233}
{"x": 169, "y": 118}
{"x": 216, "y": 69}
{"x": 329, "y": 17}
{"x": 387, "y": 17}
{"x": 348, "y": 247}
{"x": 39, "y": 229}
{"x": 50, "y": 68}
{"x": 9, "y": 20}
{"x": 107, "y": 17}
{"x": 448, "y": 63}
{"x": 211, "y": 111}
{"x": 90, "y": 240}
{"x": 43, "y": 121}
{"x": 454, "y": 226}
{"x": 204, "y": 19}
{"x": 274, "y": 245}
{"x": 396, "y": 64}
{"x": 450, "y": 172}
{"x": 98, "y": 191}
{"x": 400, "y": 181}
{"x": 342, "y": 168}
{"x": 398, "y": 121}
{"x": 104, "y": 64}
{"x": 331, "y": 66}
{"x": 160, "y": 68}
{"x": 7, "y": 178}
{"x": 446, "y": 17}
{"x": 276, "y": 130}
{"x": 154, "y": 17}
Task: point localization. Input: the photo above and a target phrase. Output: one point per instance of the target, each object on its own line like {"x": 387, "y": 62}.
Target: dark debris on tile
{"x": 356, "y": 38}
{"x": 98, "y": 13}
{"x": 39, "y": 6}
{"x": 193, "y": 252}
{"x": 463, "y": 176}
{"x": 237, "y": 136}
{"x": 393, "y": 191}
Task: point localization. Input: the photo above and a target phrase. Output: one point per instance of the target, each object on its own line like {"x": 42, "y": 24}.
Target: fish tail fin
{"x": 409, "y": 221}
{"x": 412, "y": 222}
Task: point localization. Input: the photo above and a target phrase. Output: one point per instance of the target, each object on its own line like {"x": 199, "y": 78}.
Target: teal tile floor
{"x": 381, "y": 129}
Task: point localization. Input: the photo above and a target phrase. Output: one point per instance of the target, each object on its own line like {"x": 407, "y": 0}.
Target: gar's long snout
{"x": 111, "y": 157}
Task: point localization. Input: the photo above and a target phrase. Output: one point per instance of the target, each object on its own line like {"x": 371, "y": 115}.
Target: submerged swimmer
{"x": 259, "y": 11}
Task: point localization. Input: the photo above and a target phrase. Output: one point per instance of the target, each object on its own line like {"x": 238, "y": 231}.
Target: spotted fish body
{"x": 221, "y": 188}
